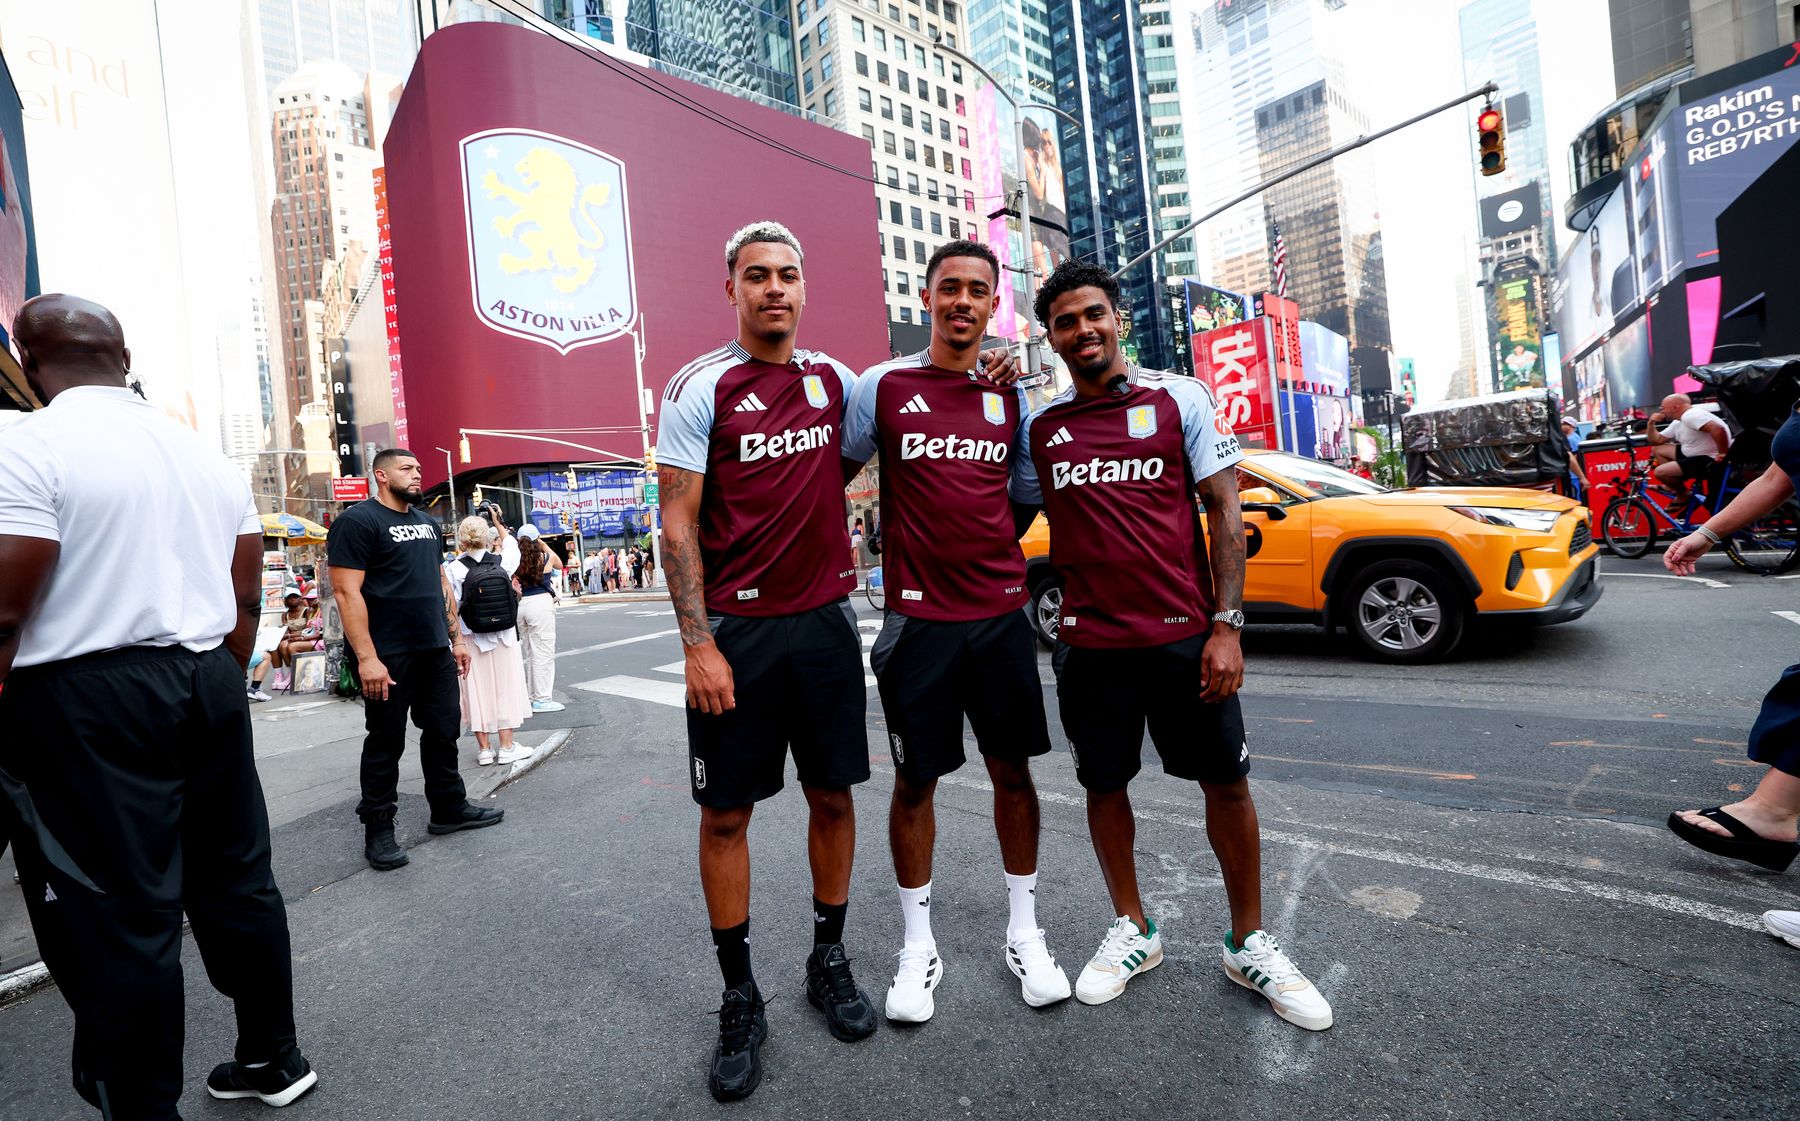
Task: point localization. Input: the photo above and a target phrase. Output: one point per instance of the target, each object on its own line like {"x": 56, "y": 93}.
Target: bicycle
{"x": 875, "y": 590}
{"x": 1769, "y": 545}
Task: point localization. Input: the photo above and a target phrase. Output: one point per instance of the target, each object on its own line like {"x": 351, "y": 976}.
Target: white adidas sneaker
{"x": 1261, "y": 967}
{"x": 1041, "y": 981}
{"x": 1123, "y": 954}
{"x": 1784, "y": 925}
{"x": 909, "y": 998}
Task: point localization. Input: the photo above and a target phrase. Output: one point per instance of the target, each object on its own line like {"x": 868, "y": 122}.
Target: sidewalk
{"x": 308, "y": 749}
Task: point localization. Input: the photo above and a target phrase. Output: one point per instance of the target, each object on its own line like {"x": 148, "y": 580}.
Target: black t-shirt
{"x": 399, "y": 555}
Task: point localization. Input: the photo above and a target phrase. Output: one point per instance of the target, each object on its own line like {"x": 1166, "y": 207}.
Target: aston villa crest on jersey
{"x": 549, "y": 238}
{"x": 815, "y": 391}
{"x": 993, "y": 407}
{"x": 1140, "y": 421}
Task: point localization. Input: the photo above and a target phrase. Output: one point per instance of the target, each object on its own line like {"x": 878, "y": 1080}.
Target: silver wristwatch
{"x": 1233, "y": 619}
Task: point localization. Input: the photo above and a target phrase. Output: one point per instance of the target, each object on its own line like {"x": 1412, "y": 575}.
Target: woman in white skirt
{"x": 493, "y": 691}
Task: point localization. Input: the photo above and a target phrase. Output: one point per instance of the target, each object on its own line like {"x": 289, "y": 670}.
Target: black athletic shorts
{"x": 1700, "y": 467}
{"x": 932, "y": 674}
{"x": 799, "y": 684}
{"x": 1108, "y": 696}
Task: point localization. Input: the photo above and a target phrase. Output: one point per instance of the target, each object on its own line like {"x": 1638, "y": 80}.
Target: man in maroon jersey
{"x": 955, "y": 642}
{"x": 754, "y": 551}
{"x": 1145, "y": 637}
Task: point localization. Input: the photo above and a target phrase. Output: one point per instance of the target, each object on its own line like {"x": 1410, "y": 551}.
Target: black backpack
{"x": 487, "y": 598}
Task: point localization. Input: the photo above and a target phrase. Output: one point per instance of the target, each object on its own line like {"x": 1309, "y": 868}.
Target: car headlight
{"x": 1538, "y": 521}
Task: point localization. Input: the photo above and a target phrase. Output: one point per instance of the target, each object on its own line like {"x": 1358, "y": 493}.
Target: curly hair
{"x": 770, "y": 232}
{"x": 1070, "y": 275}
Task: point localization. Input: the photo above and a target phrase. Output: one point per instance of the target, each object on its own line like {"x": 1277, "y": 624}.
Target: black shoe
{"x": 737, "y": 1060}
{"x": 470, "y": 816}
{"x": 284, "y": 1079}
{"x": 831, "y": 989}
{"x": 382, "y": 851}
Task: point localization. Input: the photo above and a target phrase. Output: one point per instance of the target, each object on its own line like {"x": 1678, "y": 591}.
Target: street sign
{"x": 349, "y": 490}
{"x": 650, "y": 493}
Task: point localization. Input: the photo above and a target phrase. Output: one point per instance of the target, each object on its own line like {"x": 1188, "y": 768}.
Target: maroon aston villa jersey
{"x": 772, "y": 530}
{"x": 947, "y": 441}
{"x": 1116, "y": 477}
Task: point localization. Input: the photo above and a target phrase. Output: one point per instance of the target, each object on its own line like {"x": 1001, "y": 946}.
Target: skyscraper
{"x": 365, "y": 35}
{"x": 1268, "y": 91}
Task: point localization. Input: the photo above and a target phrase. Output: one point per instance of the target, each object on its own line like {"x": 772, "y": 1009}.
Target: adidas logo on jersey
{"x": 750, "y": 404}
{"x": 916, "y": 445}
{"x": 1104, "y": 471}
{"x": 1062, "y": 437}
{"x": 754, "y": 445}
{"x": 916, "y": 405}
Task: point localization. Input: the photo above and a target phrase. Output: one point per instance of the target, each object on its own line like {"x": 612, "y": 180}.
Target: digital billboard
{"x": 1518, "y": 329}
{"x": 1325, "y": 355}
{"x": 1597, "y": 279}
{"x": 551, "y": 208}
{"x": 1511, "y": 211}
{"x": 1723, "y": 140}
{"x": 1234, "y": 362}
{"x": 1210, "y": 307}
{"x": 603, "y": 503}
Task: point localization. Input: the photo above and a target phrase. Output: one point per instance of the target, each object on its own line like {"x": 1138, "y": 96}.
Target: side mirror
{"x": 1262, "y": 500}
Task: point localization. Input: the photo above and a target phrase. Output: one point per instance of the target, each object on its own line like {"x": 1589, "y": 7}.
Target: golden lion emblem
{"x": 549, "y": 206}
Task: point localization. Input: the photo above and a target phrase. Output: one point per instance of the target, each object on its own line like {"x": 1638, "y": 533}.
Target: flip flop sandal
{"x": 1743, "y": 844}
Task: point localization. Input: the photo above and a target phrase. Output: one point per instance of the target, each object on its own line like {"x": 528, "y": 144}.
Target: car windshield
{"x": 1332, "y": 482}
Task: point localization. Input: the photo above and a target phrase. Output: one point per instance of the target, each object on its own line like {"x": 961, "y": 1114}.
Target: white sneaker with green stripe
{"x": 1124, "y": 953}
{"x": 1260, "y": 966}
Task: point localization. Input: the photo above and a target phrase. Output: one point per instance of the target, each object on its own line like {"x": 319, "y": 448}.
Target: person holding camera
{"x": 399, "y": 616}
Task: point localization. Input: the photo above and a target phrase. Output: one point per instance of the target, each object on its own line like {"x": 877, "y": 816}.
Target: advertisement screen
{"x": 1325, "y": 354}
{"x": 1627, "y": 364}
{"x": 1518, "y": 334}
{"x": 18, "y": 256}
{"x": 1651, "y": 189}
{"x": 1596, "y": 280}
{"x": 1233, "y": 362}
{"x": 1511, "y": 211}
{"x": 1210, "y": 307}
{"x": 604, "y": 504}
{"x": 1723, "y": 141}
{"x": 552, "y": 210}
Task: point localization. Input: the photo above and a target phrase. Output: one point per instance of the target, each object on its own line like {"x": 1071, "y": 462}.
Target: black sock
{"x": 828, "y": 922}
{"x": 733, "y": 947}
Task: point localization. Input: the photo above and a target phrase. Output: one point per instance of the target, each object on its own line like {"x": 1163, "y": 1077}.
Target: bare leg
{"x": 912, "y": 831}
{"x": 1114, "y": 832}
{"x": 481, "y": 741}
{"x": 1015, "y": 815}
{"x": 725, "y": 865}
{"x": 506, "y": 739}
{"x": 830, "y": 843}
{"x": 1237, "y": 842}
{"x": 1773, "y": 808}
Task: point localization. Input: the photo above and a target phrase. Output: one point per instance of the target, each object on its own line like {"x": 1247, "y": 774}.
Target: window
{"x": 868, "y": 132}
{"x": 920, "y": 277}
{"x": 912, "y": 22}
{"x": 858, "y": 30}
{"x": 906, "y": 315}
{"x": 900, "y": 48}
{"x": 943, "y": 129}
{"x": 931, "y": 30}
{"x": 824, "y": 30}
{"x": 893, "y": 177}
{"x": 894, "y": 213}
{"x": 880, "y": 39}
{"x": 930, "y": 157}
{"x": 937, "y": 62}
{"x": 962, "y": 107}
{"x": 949, "y": 163}
{"x": 864, "y": 102}
{"x": 918, "y": 218}
{"x": 956, "y": 72}
{"x": 887, "y": 143}
{"x": 800, "y": 13}
{"x": 862, "y": 64}
{"x": 827, "y": 67}
{"x": 894, "y": 12}
{"x": 912, "y": 184}
{"x": 931, "y": 189}
{"x": 899, "y": 247}
{"x": 806, "y": 80}
{"x": 925, "y": 122}
{"x": 969, "y": 201}
{"x": 937, "y": 222}
{"x": 918, "y": 56}
{"x": 805, "y": 47}
{"x": 923, "y": 90}
{"x": 962, "y": 134}
{"x": 943, "y": 101}
{"x": 905, "y": 82}
{"x": 967, "y": 174}
{"x": 911, "y": 150}
{"x": 931, "y": 6}
{"x": 887, "y": 108}
{"x": 949, "y": 11}
{"x": 900, "y": 285}
{"x": 955, "y": 227}
{"x": 881, "y": 73}
{"x": 906, "y": 115}
{"x": 919, "y": 252}
{"x": 831, "y": 103}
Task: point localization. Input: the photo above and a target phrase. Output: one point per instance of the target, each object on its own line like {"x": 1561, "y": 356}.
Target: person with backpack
{"x": 487, "y": 609}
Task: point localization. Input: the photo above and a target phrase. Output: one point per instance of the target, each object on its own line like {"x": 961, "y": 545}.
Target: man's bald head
{"x": 65, "y": 340}
{"x": 1675, "y": 404}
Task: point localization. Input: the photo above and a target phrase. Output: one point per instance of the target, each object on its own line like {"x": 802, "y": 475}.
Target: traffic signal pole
{"x": 1487, "y": 90}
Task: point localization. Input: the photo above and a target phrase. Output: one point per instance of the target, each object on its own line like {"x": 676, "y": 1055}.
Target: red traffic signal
{"x": 1490, "y": 139}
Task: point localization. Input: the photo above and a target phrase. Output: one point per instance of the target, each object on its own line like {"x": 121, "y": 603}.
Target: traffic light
{"x": 477, "y": 498}
{"x": 462, "y": 446}
{"x": 570, "y": 476}
{"x": 1490, "y": 137}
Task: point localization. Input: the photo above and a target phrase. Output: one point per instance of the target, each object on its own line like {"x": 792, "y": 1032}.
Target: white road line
{"x": 638, "y": 688}
{"x": 1673, "y": 904}
{"x": 615, "y": 642}
{"x": 284, "y": 711}
{"x": 1790, "y": 616}
{"x": 679, "y": 669}
{"x": 1670, "y": 576}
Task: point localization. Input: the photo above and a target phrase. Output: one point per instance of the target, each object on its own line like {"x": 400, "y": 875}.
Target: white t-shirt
{"x": 147, "y": 515}
{"x": 456, "y": 570}
{"x": 1691, "y": 435}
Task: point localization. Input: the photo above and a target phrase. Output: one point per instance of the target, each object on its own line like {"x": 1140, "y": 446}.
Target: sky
{"x": 1426, "y": 177}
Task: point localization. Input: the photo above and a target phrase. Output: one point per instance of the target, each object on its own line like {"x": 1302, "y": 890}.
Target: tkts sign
{"x": 1233, "y": 362}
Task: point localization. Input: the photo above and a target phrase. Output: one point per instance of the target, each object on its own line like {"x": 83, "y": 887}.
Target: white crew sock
{"x": 1021, "y": 893}
{"x": 915, "y": 906}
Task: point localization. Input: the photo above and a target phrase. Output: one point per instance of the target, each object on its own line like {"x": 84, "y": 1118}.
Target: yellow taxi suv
{"x": 1404, "y": 571}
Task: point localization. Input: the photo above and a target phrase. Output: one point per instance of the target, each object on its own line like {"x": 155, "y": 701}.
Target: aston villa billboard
{"x": 552, "y": 208}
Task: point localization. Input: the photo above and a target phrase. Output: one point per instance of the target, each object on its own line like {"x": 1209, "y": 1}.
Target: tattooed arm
{"x": 709, "y": 683}
{"x": 1222, "y": 669}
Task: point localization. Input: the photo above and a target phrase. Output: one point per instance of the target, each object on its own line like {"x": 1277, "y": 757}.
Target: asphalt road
{"x": 1467, "y": 858}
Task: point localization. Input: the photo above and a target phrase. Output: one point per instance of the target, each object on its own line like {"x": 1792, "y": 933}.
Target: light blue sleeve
{"x": 859, "y": 443}
{"x": 684, "y": 430}
{"x": 1211, "y": 447}
{"x": 1023, "y": 486}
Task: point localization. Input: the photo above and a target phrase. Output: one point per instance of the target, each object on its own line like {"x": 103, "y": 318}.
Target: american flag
{"x": 1280, "y": 259}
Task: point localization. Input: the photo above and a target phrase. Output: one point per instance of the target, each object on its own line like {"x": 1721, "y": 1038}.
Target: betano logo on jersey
{"x": 993, "y": 407}
{"x": 916, "y": 445}
{"x": 755, "y": 445}
{"x": 1104, "y": 471}
{"x": 549, "y": 238}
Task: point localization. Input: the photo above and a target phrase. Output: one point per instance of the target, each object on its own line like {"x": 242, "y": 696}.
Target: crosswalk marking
{"x": 679, "y": 669}
{"x": 613, "y": 643}
{"x": 638, "y": 688}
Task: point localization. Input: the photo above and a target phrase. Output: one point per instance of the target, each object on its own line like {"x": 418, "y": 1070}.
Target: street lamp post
{"x": 637, "y": 352}
{"x": 450, "y": 481}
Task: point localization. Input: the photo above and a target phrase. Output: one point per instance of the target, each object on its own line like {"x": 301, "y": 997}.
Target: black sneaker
{"x": 470, "y": 816}
{"x": 278, "y": 1083}
{"x": 831, "y": 989}
{"x": 383, "y": 853}
{"x": 737, "y": 1060}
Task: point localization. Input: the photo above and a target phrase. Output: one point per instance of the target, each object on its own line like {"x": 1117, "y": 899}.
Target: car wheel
{"x": 1404, "y": 611}
{"x": 1046, "y": 610}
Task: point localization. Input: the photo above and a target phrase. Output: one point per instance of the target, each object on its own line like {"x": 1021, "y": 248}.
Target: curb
{"x": 508, "y": 775}
{"x": 23, "y": 980}
{"x": 647, "y": 596}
